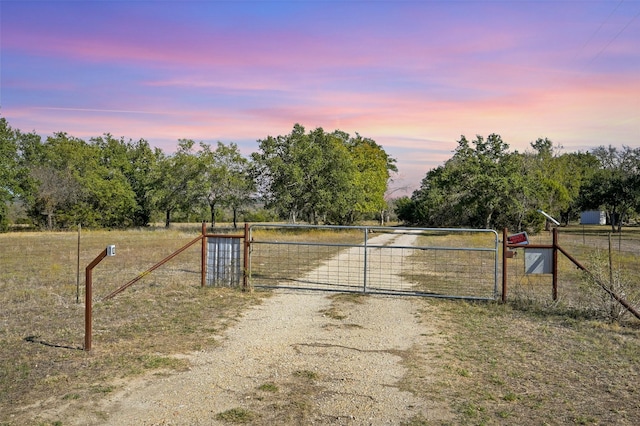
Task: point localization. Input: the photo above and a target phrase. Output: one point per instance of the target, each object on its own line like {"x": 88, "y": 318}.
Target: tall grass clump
{"x": 604, "y": 269}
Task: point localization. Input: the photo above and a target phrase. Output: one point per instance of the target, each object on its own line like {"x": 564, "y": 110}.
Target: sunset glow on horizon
{"x": 412, "y": 75}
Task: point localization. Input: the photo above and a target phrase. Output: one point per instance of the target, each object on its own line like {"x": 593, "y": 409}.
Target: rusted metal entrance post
{"x": 88, "y": 294}
{"x": 556, "y": 248}
{"x": 203, "y": 256}
{"x": 554, "y": 285}
{"x": 245, "y": 269}
{"x": 504, "y": 265}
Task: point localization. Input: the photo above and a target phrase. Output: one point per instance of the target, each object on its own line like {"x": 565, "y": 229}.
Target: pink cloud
{"x": 413, "y": 77}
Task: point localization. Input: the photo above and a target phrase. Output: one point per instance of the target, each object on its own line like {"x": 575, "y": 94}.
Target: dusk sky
{"x": 412, "y": 75}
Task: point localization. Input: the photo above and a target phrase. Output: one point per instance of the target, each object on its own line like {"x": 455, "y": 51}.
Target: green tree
{"x": 227, "y": 178}
{"x": 615, "y": 186}
{"x": 328, "y": 171}
{"x": 555, "y": 180}
{"x": 319, "y": 175}
{"x": 240, "y": 184}
{"x": 57, "y": 192}
{"x": 573, "y": 171}
{"x": 373, "y": 167}
{"x": 57, "y": 168}
{"x": 133, "y": 165}
{"x": 480, "y": 186}
{"x": 437, "y": 202}
{"x": 179, "y": 180}
{"x": 79, "y": 182}
{"x": 489, "y": 178}
{"x": 405, "y": 210}
{"x": 143, "y": 162}
{"x": 10, "y": 172}
{"x": 283, "y": 173}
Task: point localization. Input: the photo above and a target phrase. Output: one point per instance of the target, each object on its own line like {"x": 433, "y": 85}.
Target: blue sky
{"x": 412, "y": 75}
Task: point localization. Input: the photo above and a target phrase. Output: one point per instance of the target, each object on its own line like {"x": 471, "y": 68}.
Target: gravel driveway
{"x": 298, "y": 358}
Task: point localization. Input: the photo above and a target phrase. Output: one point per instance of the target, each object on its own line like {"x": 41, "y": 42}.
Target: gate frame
{"x": 365, "y": 245}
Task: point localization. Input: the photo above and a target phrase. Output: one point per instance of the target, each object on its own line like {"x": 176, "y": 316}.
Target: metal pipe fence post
{"x": 554, "y": 288}
{"x": 496, "y": 246}
{"x": 504, "y": 265}
{"x": 245, "y": 269}
{"x": 203, "y": 256}
{"x": 88, "y": 295}
{"x": 366, "y": 240}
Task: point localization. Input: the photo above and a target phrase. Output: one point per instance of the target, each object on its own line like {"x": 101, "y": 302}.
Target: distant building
{"x": 593, "y": 217}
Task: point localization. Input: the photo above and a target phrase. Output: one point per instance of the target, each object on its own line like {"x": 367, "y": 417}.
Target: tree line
{"x": 484, "y": 185}
{"x": 314, "y": 176}
{"x": 111, "y": 182}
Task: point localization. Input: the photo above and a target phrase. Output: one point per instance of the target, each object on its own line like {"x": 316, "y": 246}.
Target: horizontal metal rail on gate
{"x": 430, "y": 248}
{"x": 363, "y": 245}
{"x": 298, "y": 243}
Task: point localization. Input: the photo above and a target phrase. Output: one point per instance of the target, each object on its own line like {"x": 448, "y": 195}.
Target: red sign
{"x": 520, "y": 238}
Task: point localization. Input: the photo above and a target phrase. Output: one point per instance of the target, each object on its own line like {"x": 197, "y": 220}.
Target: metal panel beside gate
{"x": 223, "y": 261}
{"x": 538, "y": 261}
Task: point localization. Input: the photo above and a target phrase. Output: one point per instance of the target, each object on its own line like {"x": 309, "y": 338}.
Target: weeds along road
{"x": 298, "y": 358}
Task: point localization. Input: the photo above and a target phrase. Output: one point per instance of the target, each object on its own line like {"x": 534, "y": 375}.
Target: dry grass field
{"x": 144, "y": 329}
{"x": 531, "y": 361}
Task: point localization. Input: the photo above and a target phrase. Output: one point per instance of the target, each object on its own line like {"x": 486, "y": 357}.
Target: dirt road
{"x": 298, "y": 358}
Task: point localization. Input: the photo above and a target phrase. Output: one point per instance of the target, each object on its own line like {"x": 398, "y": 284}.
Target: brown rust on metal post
{"x": 504, "y": 265}
{"x": 203, "y": 256}
{"x": 554, "y": 286}
{"x": 245, "y": 268}
{"x": 88, "y": 297}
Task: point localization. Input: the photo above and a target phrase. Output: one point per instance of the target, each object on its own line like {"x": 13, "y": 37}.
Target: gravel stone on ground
{"x": 297, "y": 358}
{"x": 354, "y": 363}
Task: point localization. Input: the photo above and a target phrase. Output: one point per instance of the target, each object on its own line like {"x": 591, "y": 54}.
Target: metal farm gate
{"x": 449, "y": 263}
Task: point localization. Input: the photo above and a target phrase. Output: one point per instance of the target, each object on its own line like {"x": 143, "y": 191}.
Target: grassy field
{"x": 505, "y": 366}
{"x": 531, "y": 361}
{"x": 144, "y": 329}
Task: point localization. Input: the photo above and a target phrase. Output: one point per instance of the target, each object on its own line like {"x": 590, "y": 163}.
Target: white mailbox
{"x": 111, "y": 250}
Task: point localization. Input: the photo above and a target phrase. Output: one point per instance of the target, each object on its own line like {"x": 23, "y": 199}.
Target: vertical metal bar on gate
{"x": 495, "y": 265}
{"x": 245, "y": 264}
{"x": 504, "y": 264}
{"x": 554, "y": 285}
{"x": 364, "y": 277}
{"x": 203, "y": 256}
